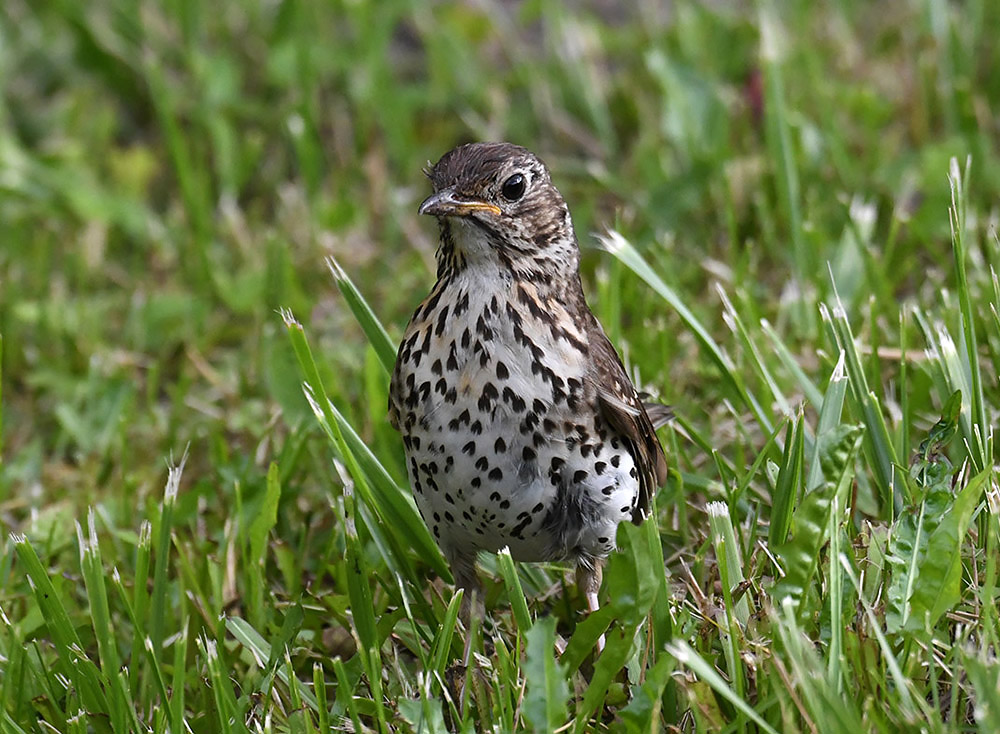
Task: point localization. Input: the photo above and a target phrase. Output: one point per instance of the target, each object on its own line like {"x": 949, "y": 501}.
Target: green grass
{"x": 781, "y": 230}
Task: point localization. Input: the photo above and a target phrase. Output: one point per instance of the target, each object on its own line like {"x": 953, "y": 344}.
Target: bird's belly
{"x": 475, "y": 497}
{"x": 505, "y": 445}
{"x": 504, "y": 465}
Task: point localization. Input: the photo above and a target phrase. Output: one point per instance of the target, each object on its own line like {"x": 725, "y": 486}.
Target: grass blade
{"x": 365, "y": 314}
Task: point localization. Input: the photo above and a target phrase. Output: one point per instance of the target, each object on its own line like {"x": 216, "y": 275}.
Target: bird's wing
{"x": 628, "y": 417}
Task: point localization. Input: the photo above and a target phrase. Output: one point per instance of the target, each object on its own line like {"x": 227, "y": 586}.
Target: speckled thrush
{"x": 520, "y": 425}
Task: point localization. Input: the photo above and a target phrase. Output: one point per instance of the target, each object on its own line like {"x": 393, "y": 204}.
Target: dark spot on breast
{"x": 442, "y": 319}
{"x": 516, "y": 401}
{"x": 488, "y": 395}
{"x": 483, "y": 330}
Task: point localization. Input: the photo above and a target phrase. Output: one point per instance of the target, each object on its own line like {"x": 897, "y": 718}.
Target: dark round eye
{"x": 513, "y": 187}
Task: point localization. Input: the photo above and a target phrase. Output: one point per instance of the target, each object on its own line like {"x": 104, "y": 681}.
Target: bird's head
{"x": 497, "y": 205}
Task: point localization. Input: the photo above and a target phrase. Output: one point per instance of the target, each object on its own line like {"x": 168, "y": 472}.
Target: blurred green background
{"x": 173, "y": 172}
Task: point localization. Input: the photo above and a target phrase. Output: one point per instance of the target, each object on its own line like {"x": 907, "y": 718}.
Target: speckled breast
{"x": 504, "y": 443}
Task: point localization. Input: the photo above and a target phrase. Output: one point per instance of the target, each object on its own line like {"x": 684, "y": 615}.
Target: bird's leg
{"x": 473, "y": 608}
{"x": 589, "y": 572}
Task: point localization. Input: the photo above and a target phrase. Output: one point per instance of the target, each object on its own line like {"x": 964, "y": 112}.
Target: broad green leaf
{"x": 931, "y": 469}
{"x": 631, "y": 579}
{"x": 908, "y": 546}
{"x": 546, "y": 691}
{"x": 643, "y": 711}
{"x": 423, "y": 715}
{"x": 618, "y": 649}
{"x": 810, "y": 523}
{"x": 983, "y": 674}
{"x": 941, "y": 571}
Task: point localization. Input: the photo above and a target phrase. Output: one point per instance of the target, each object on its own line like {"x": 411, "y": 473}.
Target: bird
{"x": 521, "y": 428}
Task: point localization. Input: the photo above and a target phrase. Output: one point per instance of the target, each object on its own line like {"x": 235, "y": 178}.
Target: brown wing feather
{"x": 624, "y": 410}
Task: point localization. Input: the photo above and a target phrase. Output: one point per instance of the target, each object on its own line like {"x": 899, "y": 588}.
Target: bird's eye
{"x": 513, "y": 187}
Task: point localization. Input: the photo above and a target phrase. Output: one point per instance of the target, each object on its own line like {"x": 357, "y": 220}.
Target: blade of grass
{"x": 811, "y": 521}
{"x": 138, "y": 607}
{"x": 902, "y": 685}
{"x": 226, "y": 706}
{"x": 878, "y": 445}
{"x": 514, "y": 591}
{"x": 261, "y": 651}
{"x": 162, "y": 532}
{"x": 616, "y": 244}
{"x": 830, "y": 412}
{"x": 689, "y": 657}
{"x": 779, "y": 136}
{"x": 731, "y": 575}
{"x": 394, "y": 508}
{"x": 365, "y": 314}
{"x": 809, "y": 388}
{"x": 61, "y": 629}
{"x": 788, "y": 484}
{"x": 92, "y": 570}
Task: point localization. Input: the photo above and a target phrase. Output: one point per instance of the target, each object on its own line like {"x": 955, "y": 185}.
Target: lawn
{"x": 209, "y": 246}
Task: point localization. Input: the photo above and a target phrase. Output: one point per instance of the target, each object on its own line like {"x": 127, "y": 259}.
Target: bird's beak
{"x": 447, "y": 203}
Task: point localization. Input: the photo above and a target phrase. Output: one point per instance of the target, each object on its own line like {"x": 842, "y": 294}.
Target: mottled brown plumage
{"x": 520, "y": 425}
